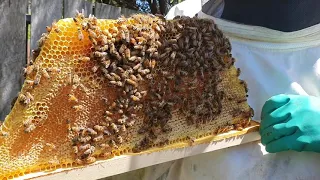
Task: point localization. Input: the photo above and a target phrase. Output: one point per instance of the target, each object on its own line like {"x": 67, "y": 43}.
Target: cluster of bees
{"x": 156, "y": 67}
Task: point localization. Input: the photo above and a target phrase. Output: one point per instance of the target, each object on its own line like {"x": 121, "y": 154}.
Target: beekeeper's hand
{"x": 291, "y": 122}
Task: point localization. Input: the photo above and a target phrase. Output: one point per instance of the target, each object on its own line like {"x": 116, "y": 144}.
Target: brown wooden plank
{"x": 127, "y": 12}
{"x": 43, "y": 13}
{"x": 105, "y": 11}
{"x": 70, "y": 7}
{"x": 12, "y": 51}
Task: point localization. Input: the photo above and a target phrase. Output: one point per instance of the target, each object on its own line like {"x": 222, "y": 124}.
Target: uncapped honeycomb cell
{"x": 102, "y": 88}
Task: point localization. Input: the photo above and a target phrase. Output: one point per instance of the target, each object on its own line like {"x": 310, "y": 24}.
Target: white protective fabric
{"x": 272, "y": 62}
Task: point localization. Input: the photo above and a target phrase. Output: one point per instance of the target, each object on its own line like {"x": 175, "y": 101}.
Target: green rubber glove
{"x": 291, "y": 122}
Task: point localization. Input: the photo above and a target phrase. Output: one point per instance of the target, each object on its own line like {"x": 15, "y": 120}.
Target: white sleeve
{"x": 191, "y": 7}
{"x": 185, "y": 8}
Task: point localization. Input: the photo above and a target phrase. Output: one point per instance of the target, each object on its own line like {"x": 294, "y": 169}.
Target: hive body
{"x": 100, "y": 88}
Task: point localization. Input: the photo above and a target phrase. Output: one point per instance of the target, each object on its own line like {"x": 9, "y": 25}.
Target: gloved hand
{"x": 291, "y": 122}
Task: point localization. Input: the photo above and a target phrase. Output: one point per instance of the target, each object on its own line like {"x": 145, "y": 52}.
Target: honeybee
{"x": 111, "y": 78}
{"x": 95, "y": 68}
{"x": 106, "y": 63}
{"x": 108, "y": 113}
{"x": 113, "y": 144}
{"x": 78, "y": 107}
{"x": 107, "y": 33}
{"x": 75, "y": 149}
{"x": 116, "y": 76}
{"x": 122, "y": 120}
{"x": 90, "y": 159}
{"x": 107, "y": 132}
{"x": 156, "y": 27}
{"x": 69, "y": 78}
{"x": 238, "y": 72}
{"x": 85, "y": 139}
{"x": 89, "y": 151}
{"x": 191, "y": 140}
{"x": 117, "y": 55}
{"x": 131, "y": 82}
{"x": 27, "y": 122}
{"x": 144, "y": 71}
{"x": 4, "y": 134}
{"x": 173, "y": 55}
{"x": 140, "y": 47}
{"x": 130, "y": 123}
{"x": 48, "y": 28}
{"x": 54, "y": 70}
{"x": 92, "y": 34}
{"x": 132, "y": 58}
{"x": 98, "y": 128}
{"x": 75, "y": 20}
{"x": 29, "y": 96}
{"x": 80, "y": 34}
{"x": 121, "y": 20}
{"x": 37, "y": 79}
{"x": 91, "y": 131}
{"x": 120, "y": 111}
{"x": 51, "y": 146}
{"x": 35, "y": 53}
{"x": 55, "y": 26}
{"x": 123, "y": 128}
{"x": 104, "y": 146}
{"x": 151, "y": 50}
{"x": 98, "y": 138}
{"x": 122, "y": 35}
{"x": 152, "y": 64}
{"x": 127, "y": 36}
{"x": 42, "y": 40}
{"x": 122, "y": 48}
{"x": 114, "y": 127}
{"x": 139, "y": 77}
{"x": 83, "y": 88}
{"x": 72, "y": 98}
{"x": 144, "y": 34}
{"x": 30, "y": 128}
{"x": 114, "y": 30}
{"x": 117, "y": 83}
{"x": 238, "y": 127}
{"x": 54, "y": 161}
{"x": 77, "y": 129}
{"x": 29, "y": 82}
{"x": 28, "y": 70}
{"x": 45, "y": 73}
{"x": 113, "y": 105}
{"x": 100, "y": 54}
{"x": 104, "y": 48}
{"x": 244, "y": 85}
{"x": 135, "y": 98}
{"x": 76, "y": 79}
{"x": 119, "y": 139}
{"x": 84, "y": 25}
{"x": 78, "y": 161}
{"x": 133, "y": 77}
{"x": 80, "y": 15}
{"x": 94, "y": 41}
{"x": 136, "y": 67}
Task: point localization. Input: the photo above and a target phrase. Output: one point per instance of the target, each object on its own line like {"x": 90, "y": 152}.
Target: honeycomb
{"x": 101, "y": 88}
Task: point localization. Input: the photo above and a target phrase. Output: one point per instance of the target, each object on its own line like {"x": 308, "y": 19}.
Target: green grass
{"x": 29, "y": 31}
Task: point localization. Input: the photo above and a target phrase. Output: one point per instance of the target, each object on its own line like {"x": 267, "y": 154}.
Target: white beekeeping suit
{"x": 272, "y": 62}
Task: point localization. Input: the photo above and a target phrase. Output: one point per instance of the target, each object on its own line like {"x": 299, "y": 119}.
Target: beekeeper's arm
{"x": 291, "y": 122}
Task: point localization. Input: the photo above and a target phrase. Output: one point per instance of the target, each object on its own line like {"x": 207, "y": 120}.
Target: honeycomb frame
{"x": 70, "y": 92}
